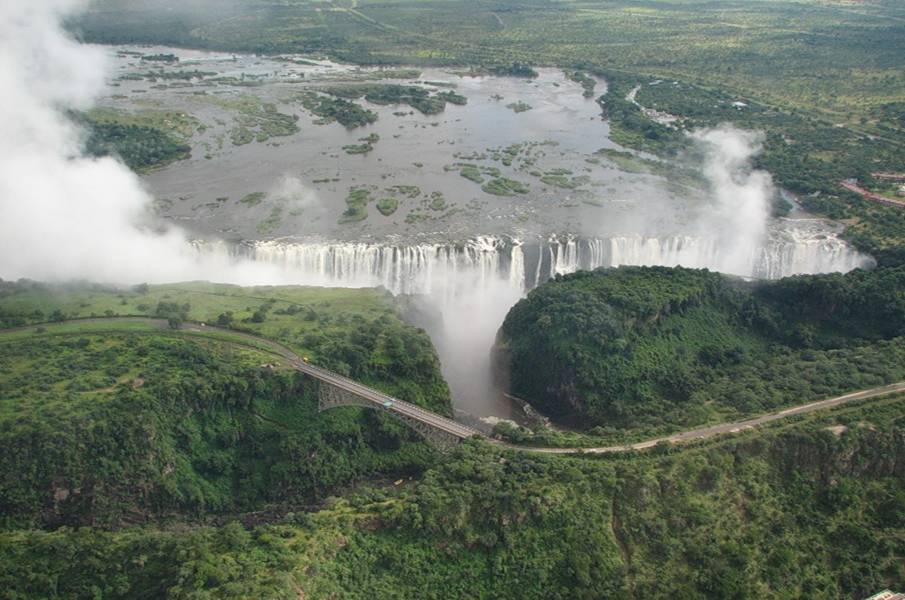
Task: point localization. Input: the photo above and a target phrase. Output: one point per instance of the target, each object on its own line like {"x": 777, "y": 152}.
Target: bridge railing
{"x": 379, "y": 398}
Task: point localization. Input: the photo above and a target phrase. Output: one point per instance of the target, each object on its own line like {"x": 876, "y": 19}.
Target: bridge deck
{"x": 383, "y": 401}
{"x": 344, "y": 383}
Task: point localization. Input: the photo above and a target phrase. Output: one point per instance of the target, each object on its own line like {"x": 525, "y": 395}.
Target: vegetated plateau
{"x": 203, "y": 457}
{"x": 656, "y": 349}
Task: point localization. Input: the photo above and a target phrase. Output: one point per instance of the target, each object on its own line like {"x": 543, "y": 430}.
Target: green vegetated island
{"x": 142, "y": 142}
{"x": 359, "y": 197}
{"x": 139, "y": 460}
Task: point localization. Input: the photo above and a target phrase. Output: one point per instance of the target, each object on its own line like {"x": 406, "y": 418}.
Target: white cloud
{"x": 64, "y": 215}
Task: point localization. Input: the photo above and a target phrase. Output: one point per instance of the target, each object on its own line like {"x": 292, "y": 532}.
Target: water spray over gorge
{"x": 472, "y": 284}
{"x": 522, "y": 300}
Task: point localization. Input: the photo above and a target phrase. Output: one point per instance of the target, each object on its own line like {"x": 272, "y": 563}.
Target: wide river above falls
{"x": 547, "y": 122}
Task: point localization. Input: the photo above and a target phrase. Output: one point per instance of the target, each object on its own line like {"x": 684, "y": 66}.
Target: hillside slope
{"x": 813, "y": 509}
{"x": 648, "y": 347}
{"x": 116, "y": 423}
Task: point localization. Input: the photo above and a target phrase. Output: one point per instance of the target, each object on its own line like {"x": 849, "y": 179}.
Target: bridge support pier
{"x": 330, "y": 396}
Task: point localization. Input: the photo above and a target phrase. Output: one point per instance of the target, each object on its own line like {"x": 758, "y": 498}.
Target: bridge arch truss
{"x": 330, "y": 396}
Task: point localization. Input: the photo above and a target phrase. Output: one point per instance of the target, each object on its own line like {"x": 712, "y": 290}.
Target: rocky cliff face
{"x": 861, "y": 450}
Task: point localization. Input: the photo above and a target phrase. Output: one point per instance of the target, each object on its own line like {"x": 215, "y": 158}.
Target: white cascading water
{"x": 474, "y": 283}
{"x": 438, "y": 269}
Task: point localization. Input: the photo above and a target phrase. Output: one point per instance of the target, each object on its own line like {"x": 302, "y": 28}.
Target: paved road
{"x": 379, "y": 399}
{"x": 736, "y": 426}
{"x": 382, "y": 401}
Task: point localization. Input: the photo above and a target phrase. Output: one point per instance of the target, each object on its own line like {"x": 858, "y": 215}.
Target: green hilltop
{"x": 656, "y": 348}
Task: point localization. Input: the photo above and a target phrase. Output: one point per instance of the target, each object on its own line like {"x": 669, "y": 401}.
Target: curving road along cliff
{"x": 735, "y": 426}
{"x": 382, "y": 401}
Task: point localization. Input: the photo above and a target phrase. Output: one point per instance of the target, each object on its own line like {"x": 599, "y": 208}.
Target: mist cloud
{"x": 297, "y": 196}
{"x": 738, "y": 217}
{"x": 64, "y": 215}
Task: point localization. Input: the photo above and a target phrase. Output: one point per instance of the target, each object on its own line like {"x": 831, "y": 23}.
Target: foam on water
{"x": 437, "y": 268}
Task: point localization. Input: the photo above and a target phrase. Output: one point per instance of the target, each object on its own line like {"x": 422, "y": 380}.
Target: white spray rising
{"x": 64, "y": 215}
{"x": 737, "y": 217}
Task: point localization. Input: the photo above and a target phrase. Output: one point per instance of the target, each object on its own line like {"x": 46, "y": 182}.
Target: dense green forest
{"x": 111, "y": 426}
{"x": 655, "y": 347}
{"x": 813, "y": 509}
{"x": 142, "y": 461}
{"x": 348, "y": 114}
{"x": 137, "y": 461}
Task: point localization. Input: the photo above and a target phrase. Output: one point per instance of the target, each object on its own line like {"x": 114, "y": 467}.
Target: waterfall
{"x": 438, "y": 269}
{"x": 474, "y": 283}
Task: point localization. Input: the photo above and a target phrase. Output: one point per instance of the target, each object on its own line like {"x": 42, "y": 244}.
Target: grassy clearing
{"x": 626, "y": 161}
{"x": 301, "y": 317}
{"x": 472, "y": 173}
{"x": 409, "y": 191}
{"x": 366, "y": 145}
{"x": 255, "y": 119}
{"x": 272, "y": 222}
{"x": 519, "y": 107}
{"x": 179, "y": 124}
{"x": 437, "y": 201}
{"x": 357, "y": 148}
{"x": 562, "y": 178}
{"x": 144, "y": 140}
{"x": 356, "y": 205}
